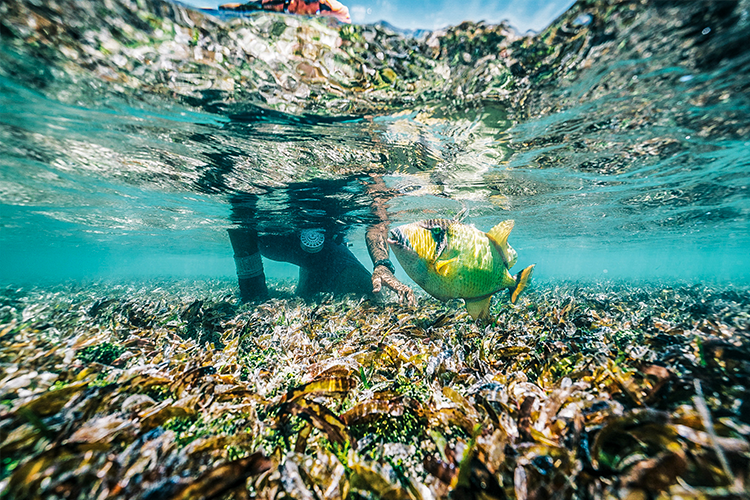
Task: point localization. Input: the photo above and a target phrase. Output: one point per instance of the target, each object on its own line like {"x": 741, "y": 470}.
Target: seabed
{"x": 176, "y": 390}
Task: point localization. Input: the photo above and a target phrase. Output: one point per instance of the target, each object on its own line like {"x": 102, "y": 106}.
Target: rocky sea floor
{"x": 175, "y": 390}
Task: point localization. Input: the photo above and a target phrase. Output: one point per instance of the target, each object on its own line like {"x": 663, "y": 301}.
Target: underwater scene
{"x": 258, "y": 254}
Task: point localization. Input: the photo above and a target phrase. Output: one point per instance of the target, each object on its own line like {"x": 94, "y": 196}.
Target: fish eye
{"x": 436, "y": 231}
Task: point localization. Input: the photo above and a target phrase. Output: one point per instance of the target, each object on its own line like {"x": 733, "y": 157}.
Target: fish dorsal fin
{"x": 499, "y": 236}
{"x": 478, "y": 308}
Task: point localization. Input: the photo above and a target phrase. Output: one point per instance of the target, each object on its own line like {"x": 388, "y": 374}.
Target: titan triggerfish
{"x": 450, "y": 260}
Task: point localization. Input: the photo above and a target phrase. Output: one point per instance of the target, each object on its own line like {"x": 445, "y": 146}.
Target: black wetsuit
{"x": 268, "y": 220}
{"x": 270, "y": 224}
{"x": 332, "y": 269}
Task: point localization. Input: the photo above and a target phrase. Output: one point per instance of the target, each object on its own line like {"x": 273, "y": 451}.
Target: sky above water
{"x": 431, "y": 14}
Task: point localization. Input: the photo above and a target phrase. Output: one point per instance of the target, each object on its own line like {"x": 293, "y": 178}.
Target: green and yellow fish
{"x": 450, "y": 260}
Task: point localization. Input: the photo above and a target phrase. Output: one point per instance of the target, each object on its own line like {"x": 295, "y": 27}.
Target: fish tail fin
{"x": 479, "y": 309}
{"x": 522, "y": 280}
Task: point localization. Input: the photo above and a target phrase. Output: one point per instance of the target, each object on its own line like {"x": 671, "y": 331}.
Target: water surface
{"x": 629, "y": 161}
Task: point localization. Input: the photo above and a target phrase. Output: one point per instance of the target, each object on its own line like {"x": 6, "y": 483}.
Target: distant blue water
{"x": 111, "y": 188}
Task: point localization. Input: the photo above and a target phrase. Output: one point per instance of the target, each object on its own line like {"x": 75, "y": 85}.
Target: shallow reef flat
{"x": 175, "y": 390}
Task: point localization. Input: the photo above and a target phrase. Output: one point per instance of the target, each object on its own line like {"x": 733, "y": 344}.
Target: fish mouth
{"x": 398, "y": 239}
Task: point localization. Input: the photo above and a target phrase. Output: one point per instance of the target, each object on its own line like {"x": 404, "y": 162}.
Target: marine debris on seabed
{"x": 178, "y": 391}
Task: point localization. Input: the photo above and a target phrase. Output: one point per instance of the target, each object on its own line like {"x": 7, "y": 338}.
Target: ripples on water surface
{"x": 617, "y": 139}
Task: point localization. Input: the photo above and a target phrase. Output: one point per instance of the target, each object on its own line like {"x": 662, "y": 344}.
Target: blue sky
{"x": 422, "y": 14}
{"x": 416, "y": 14}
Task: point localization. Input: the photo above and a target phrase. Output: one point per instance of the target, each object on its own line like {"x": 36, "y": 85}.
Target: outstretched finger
{"x": 405, "y": 294}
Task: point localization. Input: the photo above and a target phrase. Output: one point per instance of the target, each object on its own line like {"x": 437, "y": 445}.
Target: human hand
{"x": 381, "y": 275}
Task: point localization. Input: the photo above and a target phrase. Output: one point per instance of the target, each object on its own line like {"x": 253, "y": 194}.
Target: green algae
{"x": 577, "y": 391}
{"x": 104, "y": 353}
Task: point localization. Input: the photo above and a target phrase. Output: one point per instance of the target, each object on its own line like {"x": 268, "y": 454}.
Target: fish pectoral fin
{"x": 499, "y": 236}
{"x": 478, "y": 309}
{"x": 522, "y": 279}
{"x": 443, "y": 266}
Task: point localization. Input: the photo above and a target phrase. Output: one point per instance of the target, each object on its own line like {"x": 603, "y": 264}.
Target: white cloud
{"x": 358, "y": 13}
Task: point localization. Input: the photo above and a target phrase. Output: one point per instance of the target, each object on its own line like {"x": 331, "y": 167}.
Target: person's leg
{"x": 249, "y": 265}
{"x": 334, "y": 269}
{"x": 352, "y": 276}
{"x": 281, "y": 248}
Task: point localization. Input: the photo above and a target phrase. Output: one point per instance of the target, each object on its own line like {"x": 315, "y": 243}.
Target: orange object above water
{"x": 306, "y": 8}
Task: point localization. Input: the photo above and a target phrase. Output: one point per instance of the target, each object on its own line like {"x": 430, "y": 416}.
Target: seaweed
{"x": 104, "y": 353}
{"x": 578, "y": 391}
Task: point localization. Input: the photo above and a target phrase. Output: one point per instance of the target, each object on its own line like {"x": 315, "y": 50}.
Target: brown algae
{"x": 598, "y": 391}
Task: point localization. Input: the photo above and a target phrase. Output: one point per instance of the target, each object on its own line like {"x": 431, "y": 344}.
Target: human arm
{"x": 335, "y": 9}
{"x": 377, "y": 246}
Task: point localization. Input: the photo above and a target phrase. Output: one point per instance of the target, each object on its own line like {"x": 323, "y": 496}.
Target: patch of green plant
{"x": 405, "y": 429}
{"x": 701, "y": 351}
{"x": 7, "y": 314}
{"x": 158, "y": 392}
{"x": 256, "y": 358}
{"x": 59, "y": 384}
{"x": 229, "y": 423}
{"x": 282, "y": 436}
{"x": 290, "y": 381}
{"x": 190, "y": 428}
{"x": 235, "y": 452}
{"x": 365, "y": 376}
{"x": 624, "y": 339}
{"x": 186, "y": 429}
{"x": 278, "y": 28}
{"x": 417, "y": 389}
{"x": 104, "y": 353}
{"x": 100, "y": 380}
{"x": 8, "y": 465}
{"x": 559, "y": 367}
{"x": 341, "y": 450}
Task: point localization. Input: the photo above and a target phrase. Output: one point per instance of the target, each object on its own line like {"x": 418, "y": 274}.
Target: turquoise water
{"x": 640, "y": 180}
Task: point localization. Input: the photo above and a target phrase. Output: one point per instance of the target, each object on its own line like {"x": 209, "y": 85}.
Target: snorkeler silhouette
{"x": 299, "y": 222}
{"x": 325, "y": 262}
